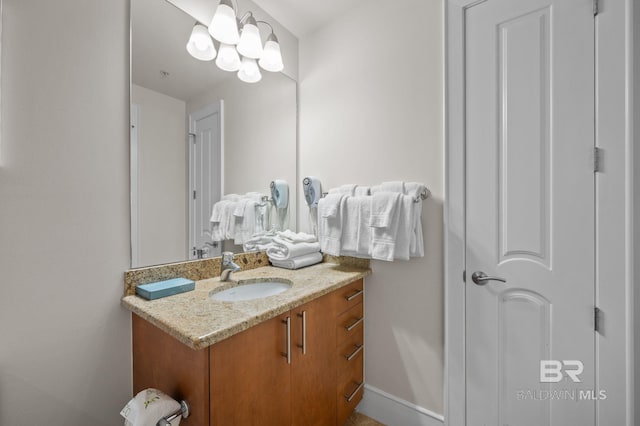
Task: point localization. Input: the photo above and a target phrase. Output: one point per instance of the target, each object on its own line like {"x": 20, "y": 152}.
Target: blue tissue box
{"x": 165, "y": 288}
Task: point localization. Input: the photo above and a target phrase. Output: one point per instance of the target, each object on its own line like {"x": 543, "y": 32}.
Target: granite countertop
{"x": 199, "y": 321}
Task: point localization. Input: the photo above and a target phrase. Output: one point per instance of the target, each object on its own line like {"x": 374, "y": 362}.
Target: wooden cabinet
{"x": 304, "y": 367}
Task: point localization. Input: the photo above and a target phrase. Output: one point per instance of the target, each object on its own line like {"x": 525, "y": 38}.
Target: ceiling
{"x": 303, "y": 17}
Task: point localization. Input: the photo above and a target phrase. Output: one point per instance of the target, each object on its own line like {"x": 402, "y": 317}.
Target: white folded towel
{"x": 297, "y": 237}
{"x": 351, "y": 225}
{"x": 284, "y": 250}
{"x": 405, "y": 230}
{"x": 348, "y": 189}
{"x": 415, "y": 190}
{"x": 259, "y": 242}
{"x": 148, "y": 407}
{"x": 362, "y": 190}
{"x": 330, "y": 223}
{"x": 298, "y": 262}
{"x": 384, "y": 207}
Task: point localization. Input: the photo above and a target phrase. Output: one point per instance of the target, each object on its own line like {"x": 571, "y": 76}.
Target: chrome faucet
{"x": 228, "y": 266}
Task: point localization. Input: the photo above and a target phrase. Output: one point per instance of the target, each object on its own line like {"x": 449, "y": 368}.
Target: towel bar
{"x": 423, "y": 195}
{"x": 183, "y": 411}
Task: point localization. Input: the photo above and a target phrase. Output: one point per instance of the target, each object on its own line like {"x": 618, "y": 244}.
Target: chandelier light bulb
{"x": 224, "y": 26}
{"x": 271, "y": 59}
{"x": 228, "y": 58}
{"x": 250, "y": 45}
{"x": 200, "y": 45}
{"x": 249, "y": 71}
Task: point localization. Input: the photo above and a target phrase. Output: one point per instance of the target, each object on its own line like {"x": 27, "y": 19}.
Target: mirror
{"x": 172, "y": 94}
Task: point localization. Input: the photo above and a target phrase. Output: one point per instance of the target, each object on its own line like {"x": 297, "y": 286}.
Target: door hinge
{"x": 597, "y": 319}
{"x": 597, "y": 159}
{"x": 194, "y": 194}
{"x": 464, "y": 276}
{"x": 596, "y": 7}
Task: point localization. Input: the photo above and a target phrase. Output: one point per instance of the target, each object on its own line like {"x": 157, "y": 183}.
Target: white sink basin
{"x": 251, "y": 290}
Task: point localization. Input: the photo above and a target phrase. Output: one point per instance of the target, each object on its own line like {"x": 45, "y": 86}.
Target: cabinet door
{"x": 250, "y": 377}
{"x": 162, "y": 362}
{"x": 313, "y": 365}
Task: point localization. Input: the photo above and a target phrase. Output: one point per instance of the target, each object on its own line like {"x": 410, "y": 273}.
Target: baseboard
{"x": 393, "y": 411}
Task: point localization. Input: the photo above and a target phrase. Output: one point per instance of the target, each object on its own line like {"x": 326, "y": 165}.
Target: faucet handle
{"x": 227, "y": 257}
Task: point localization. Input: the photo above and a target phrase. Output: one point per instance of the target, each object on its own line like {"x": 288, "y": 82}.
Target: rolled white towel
{"x": 149, "y": 406}
{"x": 299, "y": 262}
{"x": 284, "y": 250}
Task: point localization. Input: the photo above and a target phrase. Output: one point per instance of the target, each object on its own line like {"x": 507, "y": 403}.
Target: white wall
{"x": 371, "y": 110}
{"x": 259, "y": 133}
{"x": 65, "y": 356}
{"x": 162, "y": 177}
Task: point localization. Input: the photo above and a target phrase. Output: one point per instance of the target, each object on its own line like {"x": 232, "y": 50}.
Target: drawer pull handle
{"x": 349, "y": 398}
{"x": 354, "y": 325}
{"x": 287, "y": 354}
{"x": 355, "y": 353}
{"x": 354, "y": 295}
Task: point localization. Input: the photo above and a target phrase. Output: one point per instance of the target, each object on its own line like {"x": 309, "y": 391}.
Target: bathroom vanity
{"x": 293, "y": 358}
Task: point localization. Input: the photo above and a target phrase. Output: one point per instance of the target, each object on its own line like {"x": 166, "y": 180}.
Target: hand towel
{"x": 297, "y": 237}
{"x": 284, "y": 250}
{"x": 330, "y": 223}
{"x": 351, "y": 225}
{"x": 298, "y": 262}
{"x": 405, "y": 224}
{"x": 148, "y": 407}
{"x": 415, "y": 190}
{"x": 385, "y": 205}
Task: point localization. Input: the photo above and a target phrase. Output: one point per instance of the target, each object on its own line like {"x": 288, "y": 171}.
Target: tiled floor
{"x": 358, "y": 419}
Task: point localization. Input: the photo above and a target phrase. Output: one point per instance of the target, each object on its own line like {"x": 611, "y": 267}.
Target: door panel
{"x": 205, "y": 177}
{"x": 529, "y": 208}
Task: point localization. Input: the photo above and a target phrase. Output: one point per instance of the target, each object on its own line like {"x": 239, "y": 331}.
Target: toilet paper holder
{"x": 183, "y": 411}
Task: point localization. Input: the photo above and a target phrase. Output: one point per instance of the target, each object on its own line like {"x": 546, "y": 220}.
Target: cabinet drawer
{"x": 350, "y": 390}
{"x": 349, "y": 296}
{"x": 349, "y": 323}
{"x": 353, "y": 372}
{"x": 350, "y": 351}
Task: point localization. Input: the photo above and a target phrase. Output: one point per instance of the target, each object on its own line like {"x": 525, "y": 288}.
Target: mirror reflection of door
{"x": 205, "y": 177}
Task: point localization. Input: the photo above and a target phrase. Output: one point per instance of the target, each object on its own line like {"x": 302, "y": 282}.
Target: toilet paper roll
{"x": 148, "y": 407}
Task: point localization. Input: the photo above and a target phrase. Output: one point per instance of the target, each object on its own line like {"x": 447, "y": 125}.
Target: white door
{"x": 205, "y": 177}
{"x": 530, "y": 212}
